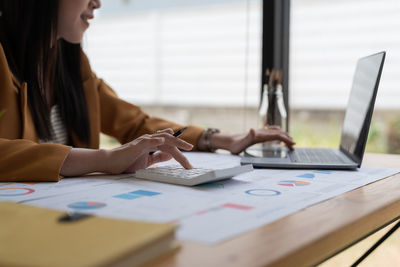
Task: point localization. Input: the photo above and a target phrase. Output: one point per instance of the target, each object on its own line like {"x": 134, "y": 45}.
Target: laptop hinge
{"x": 351, "y": 156}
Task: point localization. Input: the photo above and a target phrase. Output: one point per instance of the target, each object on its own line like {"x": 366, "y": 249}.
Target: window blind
{"x": 192, "y": 55}
{"x": 327, "y": 38}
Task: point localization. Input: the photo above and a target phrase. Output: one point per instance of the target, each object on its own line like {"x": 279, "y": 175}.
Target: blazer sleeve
{"x": 126, "y": 121}
{"x": 23, "y": 160}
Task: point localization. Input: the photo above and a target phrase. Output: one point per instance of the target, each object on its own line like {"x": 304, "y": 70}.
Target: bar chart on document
{"x": 208, "y": 213}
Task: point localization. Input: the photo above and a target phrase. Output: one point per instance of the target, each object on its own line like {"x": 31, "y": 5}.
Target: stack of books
{"x": 33, "y": 236}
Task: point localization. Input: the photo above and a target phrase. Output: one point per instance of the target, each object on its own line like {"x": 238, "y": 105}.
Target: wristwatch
{"x": 207, "y": 138}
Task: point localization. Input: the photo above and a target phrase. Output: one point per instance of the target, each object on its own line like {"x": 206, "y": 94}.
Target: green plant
{"x": 376, "y": 139}
{"x": 2, "y": 112}
{"x": 393, "y": 135}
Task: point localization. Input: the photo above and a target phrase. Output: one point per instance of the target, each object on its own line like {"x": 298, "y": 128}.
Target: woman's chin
{"x": 73, "y": 39}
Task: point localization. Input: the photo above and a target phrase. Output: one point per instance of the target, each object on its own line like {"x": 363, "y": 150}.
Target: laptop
{"x": 355, "y": 129}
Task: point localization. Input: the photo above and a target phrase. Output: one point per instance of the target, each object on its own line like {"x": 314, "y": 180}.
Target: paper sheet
{"x": 208, "y": 213}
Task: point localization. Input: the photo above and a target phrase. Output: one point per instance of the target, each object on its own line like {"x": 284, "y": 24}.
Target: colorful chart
{"x": 137, "y": 194}
{"x": 214, "y": 209}
{"x": 236, "y": 206}
{"x": 127, "y": 196}
{"x": 323, "y": 171}
{"x": 263, "y": 192}
{"x": 293, "y": 183}
{"x": 145, "y": 193}
{"x": 14, "y": 191}
{"x": 307, "y": 175}
{"x": 86, "y": 205}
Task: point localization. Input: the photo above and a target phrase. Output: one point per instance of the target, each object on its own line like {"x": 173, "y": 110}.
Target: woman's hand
{"x": 135, "y": 155}
{"x": 129, "y": 157}
{"x": 236, "y": 143}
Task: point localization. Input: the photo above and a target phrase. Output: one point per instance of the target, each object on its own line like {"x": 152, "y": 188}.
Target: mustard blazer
{"x": 22, "y": 158}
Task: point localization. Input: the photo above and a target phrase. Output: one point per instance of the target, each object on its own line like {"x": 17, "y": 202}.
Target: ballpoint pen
{"x": 176, "y": 134}
{"x": 179, "y": 132}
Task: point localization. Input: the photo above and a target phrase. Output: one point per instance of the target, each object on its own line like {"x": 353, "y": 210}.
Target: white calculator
{"x": 176, "y": 174}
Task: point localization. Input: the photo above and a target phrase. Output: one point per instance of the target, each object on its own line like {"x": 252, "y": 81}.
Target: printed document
{"x": 208, "y": 213}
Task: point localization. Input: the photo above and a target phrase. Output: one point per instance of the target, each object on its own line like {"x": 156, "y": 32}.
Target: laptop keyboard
{"x": 316, "y": 155}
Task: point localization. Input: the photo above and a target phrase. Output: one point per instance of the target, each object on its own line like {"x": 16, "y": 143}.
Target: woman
{"x": 55, "y": 106}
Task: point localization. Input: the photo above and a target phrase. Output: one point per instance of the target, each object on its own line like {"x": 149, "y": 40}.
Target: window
{"x": 179, "y": 53}
{"x": 327, "y": 38}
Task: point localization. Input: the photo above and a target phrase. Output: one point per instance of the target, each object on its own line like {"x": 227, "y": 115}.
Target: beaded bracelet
{"x": 207, "y": 138}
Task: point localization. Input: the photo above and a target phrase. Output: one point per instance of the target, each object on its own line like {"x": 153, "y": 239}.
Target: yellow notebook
{"x": 32, "y": 236}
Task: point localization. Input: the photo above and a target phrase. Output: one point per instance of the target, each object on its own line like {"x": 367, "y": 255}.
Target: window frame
{"x": 275, "y": 43}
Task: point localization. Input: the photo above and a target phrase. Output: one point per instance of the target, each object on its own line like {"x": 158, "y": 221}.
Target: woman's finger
{"x": 177, "y": 155}
{"x": 273, "y": 130}
{"x": 282, "y": 133}
{"x": 286, "y": 140}
{"x": 269, "y": 135}
{"x": 147, "y": 144}
{"x": 167, "y": 130}
{"x": 158, "y": 157}
{"x": 174, "y": 141}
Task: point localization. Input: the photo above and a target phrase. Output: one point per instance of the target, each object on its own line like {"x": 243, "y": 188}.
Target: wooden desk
{"x": 309, "y": 236}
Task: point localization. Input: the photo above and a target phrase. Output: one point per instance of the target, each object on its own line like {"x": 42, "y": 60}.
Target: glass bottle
{"x": 263, "y": 110}
{"x": 280, "y": 112}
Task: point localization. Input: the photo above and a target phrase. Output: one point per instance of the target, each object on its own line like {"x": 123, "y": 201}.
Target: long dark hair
{"x": 51, "y": 67}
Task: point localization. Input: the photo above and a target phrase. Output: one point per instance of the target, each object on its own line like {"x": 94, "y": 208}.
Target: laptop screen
{"x": 361, "y": 104}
